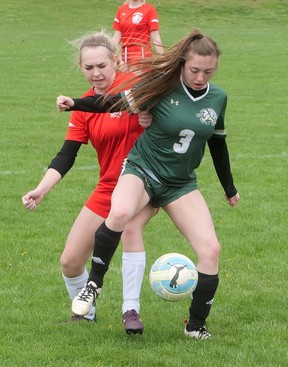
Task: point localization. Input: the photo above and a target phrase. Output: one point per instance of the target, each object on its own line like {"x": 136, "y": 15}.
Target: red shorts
{"x": 100, "y": 201}
{"x": 135, "y": 54}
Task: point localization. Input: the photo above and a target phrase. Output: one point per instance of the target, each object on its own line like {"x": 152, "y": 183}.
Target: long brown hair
{"x": 157, "y": 77}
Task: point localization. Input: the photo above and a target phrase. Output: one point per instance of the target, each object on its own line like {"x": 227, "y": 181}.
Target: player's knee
{"x": 70, "y": 264}
{"x": 121, "y": 215}
{"x": 130, "y": 235}
{"x": 65, "y": 262}
{"x": 209, "y": 253}
{"x": 213, "y": 252}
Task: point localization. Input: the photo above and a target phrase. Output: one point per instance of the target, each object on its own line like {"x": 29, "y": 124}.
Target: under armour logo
{"x": 174, "y": 102}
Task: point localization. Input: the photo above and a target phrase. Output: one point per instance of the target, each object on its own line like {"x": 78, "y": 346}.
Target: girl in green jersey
{"x": 187, "y": 111}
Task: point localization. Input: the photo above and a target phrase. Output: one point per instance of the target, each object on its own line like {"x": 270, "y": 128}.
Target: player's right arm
{"x": 117, "y": 37}
{"x": 97, "y": 103}
{"x": 34, "y": 197}
{"x": 58, "y": 167}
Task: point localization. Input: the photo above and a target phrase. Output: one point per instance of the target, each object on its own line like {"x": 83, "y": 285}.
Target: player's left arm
{"x": 156, "y": 40}
{"x": 220, "y": 156}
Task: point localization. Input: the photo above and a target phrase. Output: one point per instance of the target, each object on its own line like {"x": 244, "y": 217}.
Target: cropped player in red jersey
{"x": 136, "y": 24}
{"x": 112, "y": 136}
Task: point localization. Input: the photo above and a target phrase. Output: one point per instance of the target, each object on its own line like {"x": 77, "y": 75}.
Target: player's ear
{"x": 118, "y": 60}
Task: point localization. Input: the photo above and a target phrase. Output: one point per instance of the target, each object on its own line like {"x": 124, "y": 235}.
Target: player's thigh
{"x": 80, "y": 241}
{"x": 192, "y": 217}
{"x": 142, "y": 218}
{"x": 128, "y": 199}
{"x": 132, "y": 237}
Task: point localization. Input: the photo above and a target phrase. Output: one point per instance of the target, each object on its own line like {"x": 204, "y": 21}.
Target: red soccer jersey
{"x": 135, "y": 26}
{"x": 112, "y": 135}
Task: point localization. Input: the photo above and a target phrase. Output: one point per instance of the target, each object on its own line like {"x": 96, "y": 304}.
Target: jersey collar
{"x": 194, "y": 99}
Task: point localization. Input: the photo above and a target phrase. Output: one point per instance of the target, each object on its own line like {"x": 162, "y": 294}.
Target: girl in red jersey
{"x": 136, "y": 24}
{"x": 112, "y": 136}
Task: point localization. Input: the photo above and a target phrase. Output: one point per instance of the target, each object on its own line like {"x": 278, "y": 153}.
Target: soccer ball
{"x": 173, "y": 277}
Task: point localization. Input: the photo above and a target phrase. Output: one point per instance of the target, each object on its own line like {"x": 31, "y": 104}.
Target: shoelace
{"x": 132, "y": 315}
{"x": 75, "y": 317}
{"x": 203, "y": 332}
{"x": 86, "y": 293}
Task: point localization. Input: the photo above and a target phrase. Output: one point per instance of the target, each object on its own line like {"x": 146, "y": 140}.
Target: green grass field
{"x": 249, "y": 317}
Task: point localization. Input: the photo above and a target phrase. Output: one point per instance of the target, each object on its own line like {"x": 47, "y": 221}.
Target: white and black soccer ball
{"x": 173, "y": 277}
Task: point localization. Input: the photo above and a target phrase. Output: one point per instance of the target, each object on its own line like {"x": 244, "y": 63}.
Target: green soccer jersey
{"x": 173, "y": 146}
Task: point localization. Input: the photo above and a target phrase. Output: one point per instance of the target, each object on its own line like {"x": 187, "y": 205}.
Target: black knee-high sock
{"x": 106, "y": 242}
{"x": 203, "y": 297}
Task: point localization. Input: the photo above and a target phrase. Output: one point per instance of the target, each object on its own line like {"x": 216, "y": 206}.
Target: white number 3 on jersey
{"x": 186, "y": 136}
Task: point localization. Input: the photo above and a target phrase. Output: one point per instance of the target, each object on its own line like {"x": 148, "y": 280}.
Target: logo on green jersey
{"x": 207, "y": 116}
{"x": 174, "y": 102}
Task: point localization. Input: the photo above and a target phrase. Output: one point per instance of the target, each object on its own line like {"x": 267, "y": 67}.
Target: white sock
{"x": 133, "y": 268}
{"x": 74, "y": 286}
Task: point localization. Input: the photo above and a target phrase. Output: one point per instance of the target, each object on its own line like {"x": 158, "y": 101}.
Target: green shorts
{"x": 159, "y": 193}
